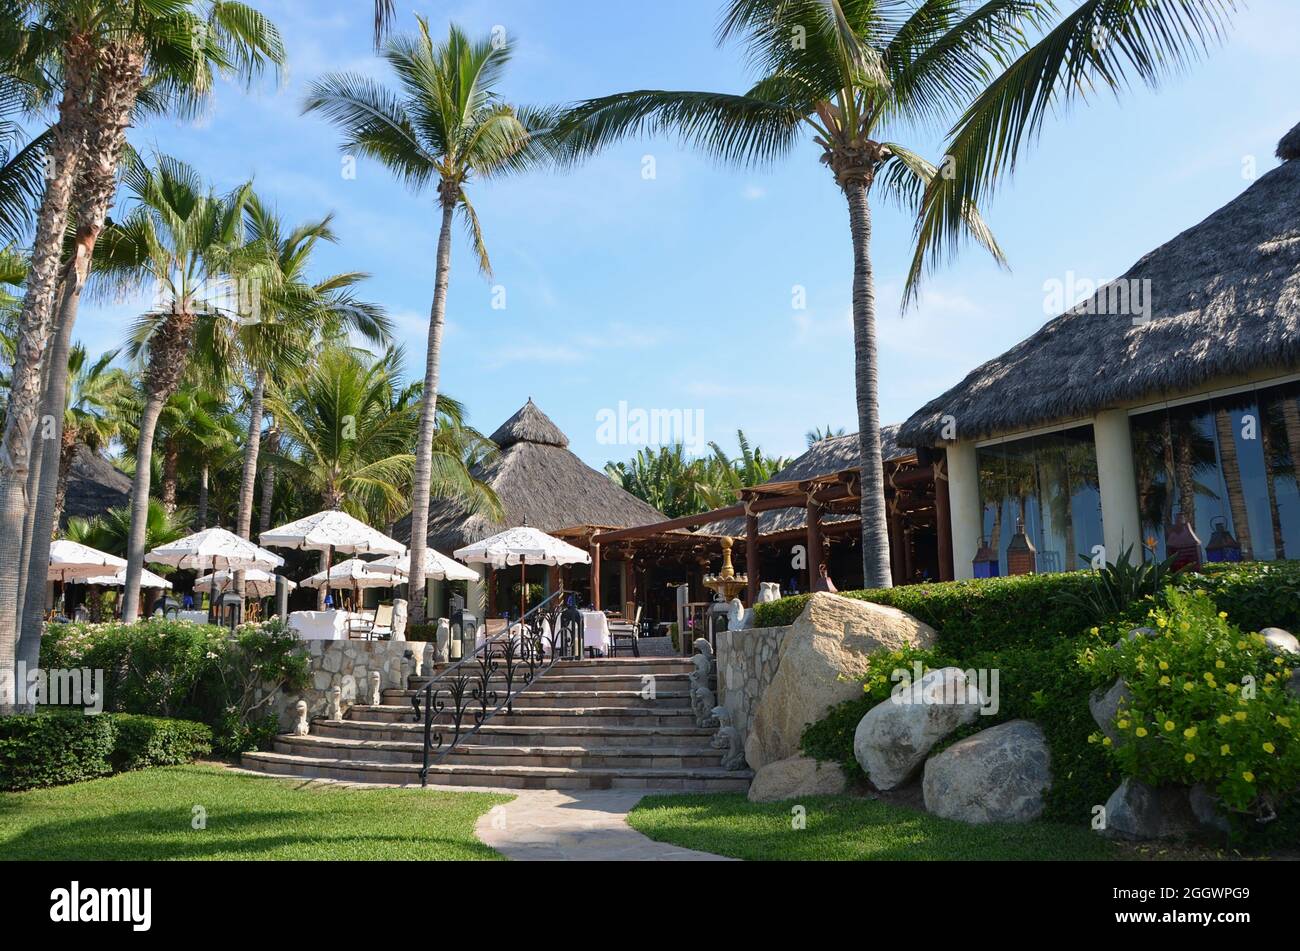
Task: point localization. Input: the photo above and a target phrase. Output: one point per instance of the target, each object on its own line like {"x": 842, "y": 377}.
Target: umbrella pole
{"x": 523, "y": 587}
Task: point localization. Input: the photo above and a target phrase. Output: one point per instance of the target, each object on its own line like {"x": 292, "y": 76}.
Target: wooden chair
{"x": 622, "y": 631}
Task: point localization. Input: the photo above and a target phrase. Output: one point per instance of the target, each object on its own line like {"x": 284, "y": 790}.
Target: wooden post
{"x": 943, "y": 518}
{"x": 814, "y": 543}
{"x": 751, "y": 557}
{"x": 595, "y": 576}
{"x": 896, "y": 543}
{"x": 553, "y": 580}
{"x": 908, "y": 566}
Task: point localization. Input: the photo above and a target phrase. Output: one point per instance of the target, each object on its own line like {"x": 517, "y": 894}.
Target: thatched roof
{"x": 95, "y": 485}
{"x": 1225, "y": 301}
{"x": 1288, "y": 150}
{"x": 826, "y": 457}
{"x": 540, "y": 483}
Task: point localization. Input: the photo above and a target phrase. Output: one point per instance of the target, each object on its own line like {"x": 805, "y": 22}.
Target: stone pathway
{"x": 558, "y": 825}
{"x": 657, "y": 647}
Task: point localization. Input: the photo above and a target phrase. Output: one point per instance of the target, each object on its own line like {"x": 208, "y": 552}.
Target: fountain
{"x": 726, "y": 584}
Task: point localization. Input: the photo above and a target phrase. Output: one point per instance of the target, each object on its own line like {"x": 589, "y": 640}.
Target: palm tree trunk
{"x": 428, "y": 418}
{"x": 875, "y": 527}
{"x": 248, "y": 481}
{"x": 1232, "y": 481}
{"x": 168, "y": 353}
{"x": 66, "y": 455}
{"x": 34, "y": 325}
{"x": 268, "y": 482}
{"x": 201, "y": 519}
{"x": 170, "y": 473}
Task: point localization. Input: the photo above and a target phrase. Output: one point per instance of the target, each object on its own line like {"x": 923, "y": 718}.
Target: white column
{"x": 1117, "y": 477}
{"x": 967, "y": 513}
{"x": 476, "y": 593}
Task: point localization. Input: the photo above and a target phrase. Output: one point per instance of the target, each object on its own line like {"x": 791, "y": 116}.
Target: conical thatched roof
{"x": 825, "y": 457}
{"x": 95, "y": 485}
{"x": 1288, "y": 150}
{"x": 1225, "y": 301}
{"x": 540, "y": 483}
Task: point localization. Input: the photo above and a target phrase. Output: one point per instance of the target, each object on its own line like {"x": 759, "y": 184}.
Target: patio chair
{"x": 622, "y": 632}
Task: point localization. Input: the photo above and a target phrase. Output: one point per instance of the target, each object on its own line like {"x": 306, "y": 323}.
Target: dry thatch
{"x": 825, "y": 457}
{"x": 1225, "y": 301}
{"x": 95, "y": 485}
{"x": 540, "y": 483}
{"x": 1288, "y": 150}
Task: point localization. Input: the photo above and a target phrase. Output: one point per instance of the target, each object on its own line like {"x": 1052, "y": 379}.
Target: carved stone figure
{"x": 400, "y": 614}
{"x": 442, "y": 642}
{"x": 334, "y": 707}
{"x": 375, "y": 698}
{"x": 302, "y": 727}
{"x": 728, "y": 738}
{"x": 768, "y": 591}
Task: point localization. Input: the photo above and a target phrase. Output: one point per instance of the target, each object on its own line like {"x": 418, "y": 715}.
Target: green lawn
{"x": 148, "y": 815}
{"x": 849, "y": 829}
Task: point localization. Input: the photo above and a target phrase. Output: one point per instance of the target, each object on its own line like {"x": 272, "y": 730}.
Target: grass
{"x": 845, "y": 828}
{"x": 149, "y": 814}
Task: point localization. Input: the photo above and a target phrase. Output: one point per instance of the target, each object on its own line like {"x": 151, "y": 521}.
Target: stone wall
{"x": 347, "y": 664}
{"x": 747, "y": 662}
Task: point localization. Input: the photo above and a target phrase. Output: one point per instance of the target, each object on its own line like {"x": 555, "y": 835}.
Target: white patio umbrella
{"x": 329, "y": 532}
{"x": 147, "y": 580}
{"x": 356, "y": 574}
{"x": 522, "y": 546}
{"x": 258, "y": 583}
{"x": 211, "y": 549}
{"x": 73, "y": 561}
{"x": 436, "y": 566}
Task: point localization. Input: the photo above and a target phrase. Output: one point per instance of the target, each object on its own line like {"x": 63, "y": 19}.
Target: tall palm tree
{"x": 89, "y": 420}
{"x": 445, "y": 126}
{"x": 190, "y": 243}
{"x": 856, "y": 73}
{"x": 819, "y": 433}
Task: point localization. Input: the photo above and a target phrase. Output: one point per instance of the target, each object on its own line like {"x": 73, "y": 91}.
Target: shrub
{"x": 1209, "y": 705}
{"x": 422, "y": 632}
{"x": 1255, "y": 595}
{"x": 50, "y": 749}
{"x": 53, "y": 749}
{"x": 157, "y": 741}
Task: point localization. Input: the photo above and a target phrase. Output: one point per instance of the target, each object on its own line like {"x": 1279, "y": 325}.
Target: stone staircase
{"x": 582, "y": 725}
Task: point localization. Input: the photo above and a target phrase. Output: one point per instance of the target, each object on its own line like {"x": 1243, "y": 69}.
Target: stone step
{"x": 510, "y": 777}
{"x": 494, "y": 733}
{"x": 560, "y": 681}
{"x": 571, "y": 757}
{"x": 544, "y": 716}
{"x": 536, "y": 697}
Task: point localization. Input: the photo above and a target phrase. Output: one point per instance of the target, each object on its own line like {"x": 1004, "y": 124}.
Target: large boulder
{"x": 1137, "y": 812}
{"x": 997, "y": 775}
{"x": 821, "y": 661}
{"x": 1105, "y": 703}
{"x": 795, "y": 777}
{"x": 894, "y": 738}
{"x": 1283, "y": 642}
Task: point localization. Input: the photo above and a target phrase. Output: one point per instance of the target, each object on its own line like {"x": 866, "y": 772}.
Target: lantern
{"x": 1222, "y": 546}
{"x": 1022, "y": 556}
{"x": 986, "y": 561}
{"x": 1183, "y": 544}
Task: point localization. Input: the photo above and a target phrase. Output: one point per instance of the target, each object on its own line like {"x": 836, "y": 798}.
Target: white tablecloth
{"x": 595, "y": 630}
{"x": 196, "y": 617}
{"x": 320, "y": 625}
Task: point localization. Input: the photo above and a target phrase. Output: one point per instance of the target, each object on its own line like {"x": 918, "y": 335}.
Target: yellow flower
{"x": 1224, "y": 718}
{"x": 1189, "y": 732}
{"x": 1185, "y": 626}
{"x": 1161, "y": 622}
{"x": 1164, "y": 681}
{"x": 1269, "y": 678}
{"x": 1141, "y": 731}
{"x": 1096, "y": 630}
{"x": 1123, "y": 724}
{"x": 1189, "y": 686}
{"x": 1231, "y": 688}
{"x": 1239, "y": 715}
{"x": 1164, "y": 665}
{"x": 1284, "y": 721}
{"x": 1190, "y": 757}
{"x": 1248, "y": 776}
{"x": 1225, "y": 749}
{"x": 1278, "y": 661}
{"x": 1241, "y": 645}
{"x": 1169, "y": 726}
{"x": 1223, "y": 615}
{"x": 1218, "y": 665}
{"x": 1269, "y": 748}
{"x": 1105, "y": 741}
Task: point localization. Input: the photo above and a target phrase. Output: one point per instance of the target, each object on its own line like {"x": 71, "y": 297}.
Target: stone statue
{"x": 768, "y": 591}
{"x": 442, "y": 642}
{"x": 739, "y": 618}
{"x": 334, "y": 706}
{"x": 399, "y": 619}
{"x": 302, "y": 727}
{"x": 701, "y": 678}
{"x": 728, "y": 738}
{"x": 375, "y": 698}
{"x": 702, "y": 646}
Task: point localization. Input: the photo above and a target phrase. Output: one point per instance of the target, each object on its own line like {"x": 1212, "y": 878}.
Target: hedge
{"x": 426, "y": 633}
{"x": 53, "y": 749}
{"x": 1028, "y": 610}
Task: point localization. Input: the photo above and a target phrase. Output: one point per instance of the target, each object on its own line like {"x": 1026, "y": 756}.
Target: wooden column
{"x": 943, "y": 518}
{"x": 896, "y": 542}
{"x": 814, "y": 542}
{"x": 553, "y": 579}
{"x": 751, "y": 557}
{"x": 625, "y": 581}
{"x": 908, "y": 564}
{"x": 595, "y": 576}
{"x": 491, "y": 594}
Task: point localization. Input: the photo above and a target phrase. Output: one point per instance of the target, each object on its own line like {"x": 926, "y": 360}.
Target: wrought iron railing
{"x": 527, "y": 649}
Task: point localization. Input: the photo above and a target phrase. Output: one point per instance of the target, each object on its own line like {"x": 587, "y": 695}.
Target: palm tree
{"x": 819, "y": 433}
{"x": 89, "y": 419}
{"x": 851, "y": 73}
{"x": 188, "y": 241}
{"x": 294, "y": 313}
{"x": 445, "y": 126}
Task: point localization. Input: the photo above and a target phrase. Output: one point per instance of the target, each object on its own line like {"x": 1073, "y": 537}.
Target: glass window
{"x": 1050, "y": 484}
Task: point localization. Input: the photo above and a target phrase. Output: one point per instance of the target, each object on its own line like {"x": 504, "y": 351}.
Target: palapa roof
{"x": 95, "y": 485}
{"x": 823, "y": 458}
{"x": 540, "y": 483}
{"x": 1225, "y": 302}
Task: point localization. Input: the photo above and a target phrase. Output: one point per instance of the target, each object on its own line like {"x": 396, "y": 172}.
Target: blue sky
{"x": 676, "y": 292}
